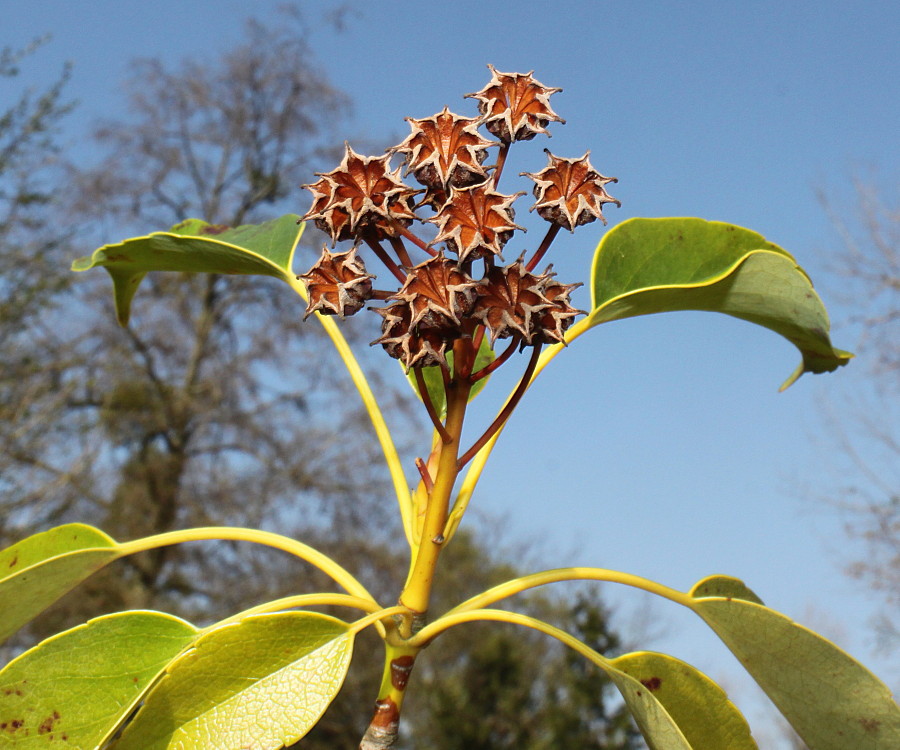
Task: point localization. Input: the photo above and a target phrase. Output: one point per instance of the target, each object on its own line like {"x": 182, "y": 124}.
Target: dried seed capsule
{"x": 361, "y": 198}
{"x": 445, "y": 149}
{"x": 570, "y": 192}
{"x": 414, "y": 346}
{"x": 337, "y": 284}
{"x": 515, "y": 106}
{"x": 439, "y": 293}
{"x": 513, "y": 302}
{"x": 476, "y": 222}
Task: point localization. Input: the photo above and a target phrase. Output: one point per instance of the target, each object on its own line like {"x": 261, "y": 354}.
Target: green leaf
{"x": 74, "y": 688}
{"x": 656, "y": 724}
{"x": 725, "y": 587}
{"x": 194, "y": 246}
{"x": 645, "y": 266}
{"x": 700, "y": 708}
{"x": 37, "y": 571}
{"x": 832, "y": 701}
{"x": 261, "y": 682}
{"x": 434, "y": 381}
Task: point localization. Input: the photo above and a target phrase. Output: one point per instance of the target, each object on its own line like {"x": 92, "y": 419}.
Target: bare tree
{"x": 136, "y": 429}
{"x": 31, "y": 247}
{"x": 865, "y": 426}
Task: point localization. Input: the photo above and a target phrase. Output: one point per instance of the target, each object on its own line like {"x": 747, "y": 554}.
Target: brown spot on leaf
{"x": 47, "y": 724}
{"x": 652, "y": 683}
{"x": 14, "y": 561}
{"x": 870, "y": 726}
{"x": 12, "y": 726}
{"x": 215, "y": 229}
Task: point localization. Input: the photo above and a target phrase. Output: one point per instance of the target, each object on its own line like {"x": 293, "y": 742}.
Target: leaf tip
{"x": 817, "y": 364}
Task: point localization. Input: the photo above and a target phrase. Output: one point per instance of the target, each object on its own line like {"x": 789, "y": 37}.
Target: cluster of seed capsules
{"x": 441, "y": 300}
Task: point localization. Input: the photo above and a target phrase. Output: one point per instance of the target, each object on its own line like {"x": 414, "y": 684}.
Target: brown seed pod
{"x": 337, "y": 284}
{"x": 361, "y": 198}
{"x": 513, "y": 302}
{"x": 476, "y": 222}
{"x": 439, "y": 293}
{"x": 445, "y": 149}
{"x": 570, "y": 192}
{"x": 414, "y": 346}
{"x": 515, "y": 106}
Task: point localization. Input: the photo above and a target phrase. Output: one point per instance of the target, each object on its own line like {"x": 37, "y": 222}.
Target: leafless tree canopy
{"x": 217, "y": 405}
{"x": 865, "y": 427}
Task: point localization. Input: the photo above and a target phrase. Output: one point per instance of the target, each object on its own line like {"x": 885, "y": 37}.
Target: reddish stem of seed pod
{"x": 387, "y": 260}
{"x": 400, "y": 249}
{"x": 477, "y": 338}
{"x": 491, "y": 366}
{"x": 425, "y": 474}
{"x": 544, "y": 247}
{"x": 429, "y": 406}
{"x": 417, "y": 241}
{"x": 501, "y": 160}
{"x": 504, "y": 412}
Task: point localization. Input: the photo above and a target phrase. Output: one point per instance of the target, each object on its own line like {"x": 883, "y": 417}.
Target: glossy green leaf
{"x": 73, "y": 689}
{"x": 194, "y": 246}
{"x": 262, "y": 682}
{"x": 37, "y": 571}
{"x": 645, "y": 266}
{"x": 831, "y": 700}
{"x": 434, "y": 381}
{"x": 700, "y": 708}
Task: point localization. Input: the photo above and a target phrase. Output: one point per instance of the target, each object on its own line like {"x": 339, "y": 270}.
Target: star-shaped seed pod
{"x": 445, "y": 149}
{"x": 439, "y": 294}
{"x": 570, "y": 192}
{"x": 515, "y": 106}
{"x": 476, "y": 222}
{"x": 337, "y": 284}
{"x": 511, "y": 302}
{"x": 532, "y": 307}
{"x": 414, "y": 346}
{"x": 361, "y": 198}
{"x": 556, "y": 319}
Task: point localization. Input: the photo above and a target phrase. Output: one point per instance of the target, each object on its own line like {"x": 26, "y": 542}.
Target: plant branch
{"x": 505, "y": 411}
{"x": 417, "y": 592}
{"x": 270, "y": 539}
{"x": 544, "y": 247}
{"x": 387, "y": 260}
{"x": 417, "y": 241}
{"x": 429, "y": 406}
{"x": 400, "y": 249}
{"x": 498, "y": 361}
{"x": 501, "y": 160}
{"x": 470, "y": 481}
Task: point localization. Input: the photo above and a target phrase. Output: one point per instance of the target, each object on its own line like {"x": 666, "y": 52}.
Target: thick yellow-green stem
{"x": 414, "y": 599}
{"x": 383, "y": 729}
{"x": 417, "y": 591}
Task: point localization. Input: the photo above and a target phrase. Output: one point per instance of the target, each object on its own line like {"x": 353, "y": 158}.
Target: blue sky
{"x": 672, "y": 456}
